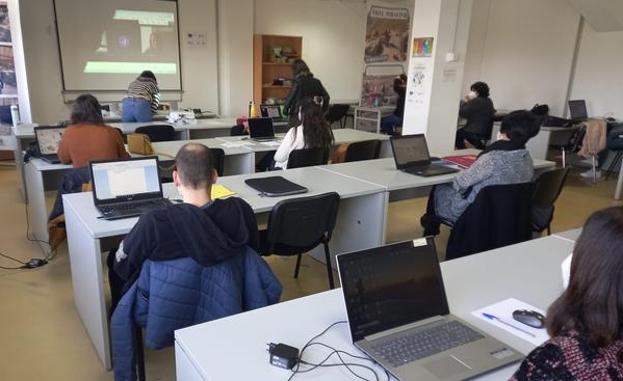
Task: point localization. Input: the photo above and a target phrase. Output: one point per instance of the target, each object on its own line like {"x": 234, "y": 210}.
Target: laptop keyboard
{"x": 402, "y": 350}
{"x": 134, "y": 207}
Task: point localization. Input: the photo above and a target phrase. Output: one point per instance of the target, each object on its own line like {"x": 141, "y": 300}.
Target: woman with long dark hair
{"x": 304, "y": 86}
{"x": 313, "y": 132}
{"x": 585, "y": 322}
{"x": 88, "y": 138}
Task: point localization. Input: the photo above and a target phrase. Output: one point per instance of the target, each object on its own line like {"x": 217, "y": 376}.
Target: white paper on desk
{"x": 271, "y": 144}
{"x": 504, "y": 310}
{"x": 236, "y": 144}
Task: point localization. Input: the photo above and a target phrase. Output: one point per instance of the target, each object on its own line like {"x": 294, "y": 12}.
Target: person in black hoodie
{"x": 389, "y": 122}
{"x": 209, "y": 231}
{"x": 478, "y": 111}
{"x": 304, "y": 86}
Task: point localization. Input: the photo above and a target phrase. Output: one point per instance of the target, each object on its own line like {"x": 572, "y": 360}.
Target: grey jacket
{"x": 493, "y": 168}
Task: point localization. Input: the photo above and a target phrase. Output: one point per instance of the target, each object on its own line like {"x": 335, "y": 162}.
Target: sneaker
{"x": 589, "y": 174}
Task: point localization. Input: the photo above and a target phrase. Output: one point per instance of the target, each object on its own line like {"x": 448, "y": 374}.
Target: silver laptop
{"x": 398, "y": 314}
{"x": 48, "y": 139}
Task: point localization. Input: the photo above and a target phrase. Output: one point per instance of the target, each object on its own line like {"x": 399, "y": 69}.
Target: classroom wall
{"x": 528, "y": 53}
{"x": 599, "y": 73}
{"x": 199, "y": 65}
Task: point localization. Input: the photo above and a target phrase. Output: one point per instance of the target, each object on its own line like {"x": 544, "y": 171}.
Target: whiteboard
{"x": 106, "y": 44}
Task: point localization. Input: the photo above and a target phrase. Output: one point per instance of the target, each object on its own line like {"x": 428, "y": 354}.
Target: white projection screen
{"x": 105, "y": 44}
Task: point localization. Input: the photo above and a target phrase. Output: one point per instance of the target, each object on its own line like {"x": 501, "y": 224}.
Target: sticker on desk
{"x": 420, "y": 242}
{"x": 271, "y": 144}
{"x": 236, "y": 144}
{"x": 501, "y": 315}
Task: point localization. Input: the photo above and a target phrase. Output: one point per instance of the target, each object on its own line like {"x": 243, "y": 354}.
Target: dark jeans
{"x": 473, "y": 139}
{"x": 72, "y": 183}
{"x": 390, "y": 122}
{"x": 116, "y": 282}
{"x": 613, "y": 143}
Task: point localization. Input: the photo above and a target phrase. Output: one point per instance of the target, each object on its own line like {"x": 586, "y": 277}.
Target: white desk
{"x": 234, "y": 348}
{"x": 571, "y": 235}
{"x": 361, "y": 224}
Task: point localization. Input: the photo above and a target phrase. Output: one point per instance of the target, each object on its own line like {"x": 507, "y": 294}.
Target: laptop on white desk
{"x": 398, "y": 314}
{"x": 48, "y": 139}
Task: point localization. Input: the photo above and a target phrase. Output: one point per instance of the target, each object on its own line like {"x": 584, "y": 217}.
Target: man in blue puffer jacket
{"x": 186, "y": 264}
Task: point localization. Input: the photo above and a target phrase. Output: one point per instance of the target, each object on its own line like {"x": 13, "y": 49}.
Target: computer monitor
{"x": 577, "y": 109}
{"x": 410, "y": 150}
{"x": 48, "y": 139}
{"x": 125, "y": 180}
{"x": 390, "y": 286}
{"x": 261, "y": 128}
{"x": 271, "y": 111}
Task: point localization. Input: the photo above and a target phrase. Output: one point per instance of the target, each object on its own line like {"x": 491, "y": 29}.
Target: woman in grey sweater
{"x": 504, "y": 162}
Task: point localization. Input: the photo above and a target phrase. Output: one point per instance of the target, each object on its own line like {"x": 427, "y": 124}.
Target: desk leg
{"x": 240, "y": 164}
{"x": 386, "y": 149}
{"x": 617, "y": 193}
{"x": 539, "y": 145}
{"x": 361, "y": 224}
{"x": 19, "y": 166}
{"x": 38, "y": 214}
{"x": 184, "y": 369}
{"x": 85, "y": 260}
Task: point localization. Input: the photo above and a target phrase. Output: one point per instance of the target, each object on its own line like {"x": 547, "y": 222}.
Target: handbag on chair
{"x": 140, "y": 144}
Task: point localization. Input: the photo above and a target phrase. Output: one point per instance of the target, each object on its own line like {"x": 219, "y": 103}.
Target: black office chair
{"x": 486, "y": 138}
{"x": 308, "y": 157}
{"x": 337, "y": 113}
{"x": 615, "y": 161}
{"x": 365, "y": 150}
{"x": 298, "y": 225}
{"x": 237, "y": 130}
{"x": 547, "y": 188}
{"x": 157, "y": 132}
{"x": 123, "y": 137}
{"x": 166, "y": 166}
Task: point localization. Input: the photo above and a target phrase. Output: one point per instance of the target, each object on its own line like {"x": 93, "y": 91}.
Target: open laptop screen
{"x": 261, "y": 128}
{"x": 391, "y": 286}
{"x": 125, "y": 180}
{"x": 271, "y": 111}
{"x": 577, "y": 109}
{"x": 48, "y": 139}
{"x": 410, "y": 149}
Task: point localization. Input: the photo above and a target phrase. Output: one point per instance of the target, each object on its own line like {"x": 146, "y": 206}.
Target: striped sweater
{"x": 147, "y": 89}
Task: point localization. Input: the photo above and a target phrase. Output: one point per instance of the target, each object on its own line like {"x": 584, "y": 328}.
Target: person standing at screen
{"x": 142, "y": 100}
{"x": 304, "y": 86}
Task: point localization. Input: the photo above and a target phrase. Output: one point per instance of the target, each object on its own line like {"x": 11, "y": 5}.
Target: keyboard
{"x": 132, "y": 208}
{"x": 424, "y": 343}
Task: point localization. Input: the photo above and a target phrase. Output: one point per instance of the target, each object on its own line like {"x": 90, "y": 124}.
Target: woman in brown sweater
{"x": 88, "y": 138}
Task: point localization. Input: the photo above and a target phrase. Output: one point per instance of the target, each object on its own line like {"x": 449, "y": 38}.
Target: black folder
{"x": 275, "y": 186}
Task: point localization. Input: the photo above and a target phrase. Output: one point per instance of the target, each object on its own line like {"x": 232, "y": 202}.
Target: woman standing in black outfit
{"x": 304, "y": 86}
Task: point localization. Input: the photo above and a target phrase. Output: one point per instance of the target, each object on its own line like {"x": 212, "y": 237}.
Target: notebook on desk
{"x": 275, "y": 186}
{"x": 127, "y": 188}
{"x": 398, "y": 314}
{"x": 463, "y": 161}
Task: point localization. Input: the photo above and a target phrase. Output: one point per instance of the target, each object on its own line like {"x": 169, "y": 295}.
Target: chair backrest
{"x": 157, "y": 132}
{"x": 308, "y": 157}
{"x": 499, "y": 216}
{"x": 218, "y": 155}
{"x": 489, "y": 131}
{"x": 575, "y": 140}
{"x": 548, "y": 185}
{"x": 303, "y": 222}
{"x": 237, "y": 130}
{"x": 365, "y": 150}
{"x": 123, "y": 137}
{"x": 337, "y": 112}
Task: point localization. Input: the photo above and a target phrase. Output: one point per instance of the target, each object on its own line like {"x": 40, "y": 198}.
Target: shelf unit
{"x": 265, "y": 71}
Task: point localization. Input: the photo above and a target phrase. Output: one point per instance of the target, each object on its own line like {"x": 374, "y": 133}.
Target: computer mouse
{"x": 530, "y": 318}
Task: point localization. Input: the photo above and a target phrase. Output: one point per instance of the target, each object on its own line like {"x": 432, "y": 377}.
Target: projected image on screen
{"x": 106, "y": 44}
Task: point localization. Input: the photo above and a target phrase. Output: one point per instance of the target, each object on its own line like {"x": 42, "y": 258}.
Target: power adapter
{"x": 283, "y": 356}
{"x": 34, "y": 263}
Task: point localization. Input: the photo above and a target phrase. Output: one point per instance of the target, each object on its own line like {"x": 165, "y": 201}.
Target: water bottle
{"x": 15, "y": 115}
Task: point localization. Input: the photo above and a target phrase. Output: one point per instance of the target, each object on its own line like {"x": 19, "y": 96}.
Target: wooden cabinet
{"x": 272, "y": 63}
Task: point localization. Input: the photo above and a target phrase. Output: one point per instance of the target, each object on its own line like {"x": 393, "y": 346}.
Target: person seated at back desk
{"x": 585, "y": 322}
{"x": 88, "y": 138}
{"x": 209, "y": 231}
{"x": 504, "y": 162}
{"x": 477, "y": 108}
{"x": 314, "y": 132}
{"x": 394, "y": 120}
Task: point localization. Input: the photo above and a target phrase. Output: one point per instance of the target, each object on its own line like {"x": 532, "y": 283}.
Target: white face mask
{"x": 472, "y": 95}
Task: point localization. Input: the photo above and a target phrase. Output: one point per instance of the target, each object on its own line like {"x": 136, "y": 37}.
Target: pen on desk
{"x": 493, "y": 317}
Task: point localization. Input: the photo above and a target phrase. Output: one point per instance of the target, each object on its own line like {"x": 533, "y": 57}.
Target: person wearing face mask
{"x": 505, "y": 161}
{"x": 313, "y": 132}
{"x": 477, "y": 109}
{"x": 209, "y": 231}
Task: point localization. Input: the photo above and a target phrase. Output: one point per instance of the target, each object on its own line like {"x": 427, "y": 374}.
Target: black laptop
{"x": 411, "y": 156}
{"x": 577, "y": 111}
{"x": 48, "y": 139}
{"x": 261, "y": 129}
{"x": 127, "y": 188}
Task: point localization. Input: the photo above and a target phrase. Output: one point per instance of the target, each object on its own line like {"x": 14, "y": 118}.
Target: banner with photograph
{"x": 387, "y": 35}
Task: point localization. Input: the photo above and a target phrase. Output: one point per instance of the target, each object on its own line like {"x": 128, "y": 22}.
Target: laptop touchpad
{"x": 445, "y": 368}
